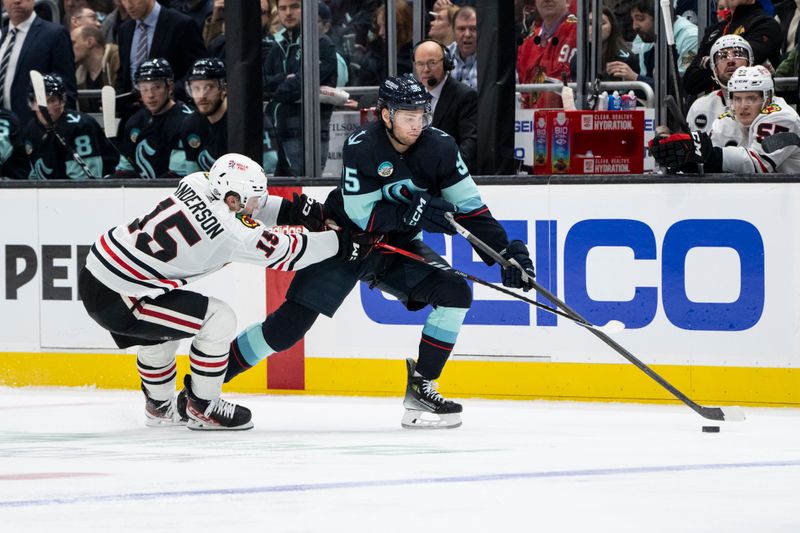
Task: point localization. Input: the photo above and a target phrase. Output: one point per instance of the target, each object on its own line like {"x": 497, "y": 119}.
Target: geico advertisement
{"x": 699, "y": 274}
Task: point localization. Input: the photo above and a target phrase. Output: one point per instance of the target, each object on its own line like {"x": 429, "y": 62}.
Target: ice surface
{"x": 81, "y": 460}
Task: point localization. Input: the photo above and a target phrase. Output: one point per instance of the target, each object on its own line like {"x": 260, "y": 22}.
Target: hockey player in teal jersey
{"x": 204, "y": 134}
{"x": 399, "y": 177}
{"x": 44, "y": 140}
{"x": 151, "y": 139}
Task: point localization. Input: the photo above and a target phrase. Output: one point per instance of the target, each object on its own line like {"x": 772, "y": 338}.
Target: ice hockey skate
{"x": 162, "y": 413}
{"x": 217, "y": 414}
{"x": 425, "y": 407}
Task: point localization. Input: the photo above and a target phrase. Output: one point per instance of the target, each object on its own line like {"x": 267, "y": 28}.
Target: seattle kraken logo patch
{"x": 385, "y": 169}
{"x": 193, "y": 141}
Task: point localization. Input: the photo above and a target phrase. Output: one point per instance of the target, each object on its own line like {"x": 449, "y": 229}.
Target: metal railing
{"x": 605, "y": 85}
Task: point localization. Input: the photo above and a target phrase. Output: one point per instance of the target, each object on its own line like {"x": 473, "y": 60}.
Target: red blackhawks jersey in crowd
{"x": 189, "y": 235}
{"x": 540, "y": 57}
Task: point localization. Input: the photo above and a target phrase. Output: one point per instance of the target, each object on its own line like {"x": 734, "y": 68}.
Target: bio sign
{"x": 676, "y": 244}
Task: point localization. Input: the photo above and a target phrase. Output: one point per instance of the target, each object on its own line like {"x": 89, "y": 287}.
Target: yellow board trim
{"x": 482, "y": 379}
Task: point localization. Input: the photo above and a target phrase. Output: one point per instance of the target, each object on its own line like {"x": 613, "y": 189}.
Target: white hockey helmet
{"x": 725, "y": 42}
{"x": 239, "y": 174}
{"x": 756, "y": 78}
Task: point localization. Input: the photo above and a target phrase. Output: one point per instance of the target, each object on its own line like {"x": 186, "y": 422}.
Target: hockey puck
{"x": 710, "y": 429}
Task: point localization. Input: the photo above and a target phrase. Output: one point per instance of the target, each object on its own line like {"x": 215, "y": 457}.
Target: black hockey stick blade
{"x": 711, "y": 413}
{"x": 776, "y": 141}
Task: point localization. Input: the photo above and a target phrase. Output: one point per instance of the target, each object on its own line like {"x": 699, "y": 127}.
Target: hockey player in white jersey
{"x": 132, "y": 284}
{"x": 734, "y": 143}
{"x": 728, "y": 53}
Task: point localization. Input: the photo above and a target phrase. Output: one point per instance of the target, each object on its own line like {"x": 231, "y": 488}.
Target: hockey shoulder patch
{"x": 246, "y": 220}
{"x": 771, "y": 108}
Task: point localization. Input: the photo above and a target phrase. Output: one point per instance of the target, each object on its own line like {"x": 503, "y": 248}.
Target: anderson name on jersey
{"x": 741, "y": 145}
{"x": 189, "y": 235}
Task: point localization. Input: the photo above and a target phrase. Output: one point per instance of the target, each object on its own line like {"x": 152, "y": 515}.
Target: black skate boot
{"x": 425, "y": 407}
{"x": 161, "y": 413}
{"x": 216, "y": 414}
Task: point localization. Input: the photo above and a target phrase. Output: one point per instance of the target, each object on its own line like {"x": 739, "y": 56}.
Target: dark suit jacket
{"x": 48, "y": 49}
{"x": 457, "y": 114}
{"x": 176, "y": 39}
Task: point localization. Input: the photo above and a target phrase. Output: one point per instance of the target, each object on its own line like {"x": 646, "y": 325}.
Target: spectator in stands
{"x": 71, "y": 6}
{"x": 454, "y": 105}
{"x": 441, "y": 28}
{"x": 546, "y": 52}
{"x": 787, "y": 13}
{"x": 644, "y": 25}
{"x": 96, "y": 64}
{"x": 197, "y": 10}
{"x": 112, "y": 22}
{"x": 67, "y": 145}
{"x": 13, "y": 159}
{"x": 155, "y": 31}
{"x": 283, "y": 83}
{"x": 151, "y": 140}
{"x": 370, "y": 61}
{"x": 324, "y": 22}
{"x": 464, "y": 50}
{"x": 32, "y": 43}
{"x": 204, "y": 133}
{"x": 214, "y": 29}
{"x": 618, "y": 63}
{"x": 729, "y": 53}
{"x": 83, "y": 16}
{"x": 748, "y": 20}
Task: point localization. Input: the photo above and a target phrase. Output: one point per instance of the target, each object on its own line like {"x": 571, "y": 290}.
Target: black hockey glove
{"x": 427, "y": 212}
{"x": 679, "y": 149}
{"x": 307, "y": 212}
{"x": 356, "y": 245}
{"x": 516, "y": 252}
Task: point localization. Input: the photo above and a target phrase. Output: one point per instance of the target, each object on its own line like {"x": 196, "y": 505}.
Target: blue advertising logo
{"x": 683, "y": 236}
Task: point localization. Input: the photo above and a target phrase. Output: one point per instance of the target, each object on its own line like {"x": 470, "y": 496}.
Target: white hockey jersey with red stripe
{"x": 741, "y": 146}
{"x": 189, "y": 235}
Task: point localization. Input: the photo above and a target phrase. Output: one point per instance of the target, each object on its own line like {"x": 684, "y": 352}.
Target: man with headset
{"x": 454, "y": 104}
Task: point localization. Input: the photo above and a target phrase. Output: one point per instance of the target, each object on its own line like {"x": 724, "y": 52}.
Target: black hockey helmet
{"x": 403, "y": 92}
{"x": 154, "y": 70}
{"x": 53, "y": 85}
{"x": 207, "y": 68}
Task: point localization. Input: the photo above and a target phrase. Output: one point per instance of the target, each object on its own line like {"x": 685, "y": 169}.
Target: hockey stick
{"x": 776, "y": 141}
{"x": 711, "y": 413}
{"x": 109, "y": 100}
{"x": 612, "y": 327}
{"x": 666, "y": 14}
{"x": 672, "y": 106}
{"x": 37, "y": 81}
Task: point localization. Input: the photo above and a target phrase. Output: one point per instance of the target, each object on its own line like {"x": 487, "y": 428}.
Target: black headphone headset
{"x": 448, "y": 64}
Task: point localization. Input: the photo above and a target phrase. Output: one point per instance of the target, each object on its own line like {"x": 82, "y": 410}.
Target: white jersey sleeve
{"x": 190, "y": 234}
{"x": 748, "y": 155}
{"x": 267, "y": 210}
{"x": 705, "y": 110}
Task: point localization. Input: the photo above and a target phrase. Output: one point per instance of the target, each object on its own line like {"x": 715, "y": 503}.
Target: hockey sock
{"x": 157, "y": 368}
{"x": 208, "y": 355}
{"x": 280, "y": 331}
{"x": 438, "y": 338}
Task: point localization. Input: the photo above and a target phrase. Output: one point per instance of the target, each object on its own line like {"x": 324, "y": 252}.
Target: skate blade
{"x": 424, "y": 420}
{"x": 163, "y": 422}
{"x": 197, "y": 425}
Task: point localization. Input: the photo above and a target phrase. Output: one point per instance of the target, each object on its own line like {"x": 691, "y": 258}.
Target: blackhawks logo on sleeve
{"x": 246, "y": 220}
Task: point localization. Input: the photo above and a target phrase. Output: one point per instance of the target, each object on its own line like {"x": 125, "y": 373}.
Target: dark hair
{"x": 643, "y": 6}
{"x": 615, "y": 42}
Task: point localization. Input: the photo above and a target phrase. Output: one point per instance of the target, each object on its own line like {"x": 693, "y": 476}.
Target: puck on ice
{"x": 710, "y": 429}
